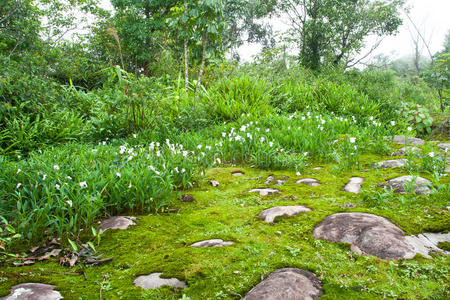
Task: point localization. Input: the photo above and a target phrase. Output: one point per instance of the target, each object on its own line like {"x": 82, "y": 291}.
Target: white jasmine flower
{"x": 352, "y": 140}
{"x": 305, "y": 153}
{"x": 43, "y": 177}
{"x": 56, "y": 167}
{"x": 409, "y": 128}
{"x": 183, "y": 170}
{"x": 393, "y": 123}
{"x": 83, "y": 184}
{"x": 69, "y": 202}
{"x": 298, "y": 173}
{"x": 158, "y": 154}
{"x": 134, "y": 135}
{"x": 18, "y": 171}
{"x": 57, "y": 186}
{"x": 68, "y": 177}
{"x": 262, "y": 139}
{"x": 224, "y": 134}
{"x": 199, "y": 147}
{"x": 270, "y": 144}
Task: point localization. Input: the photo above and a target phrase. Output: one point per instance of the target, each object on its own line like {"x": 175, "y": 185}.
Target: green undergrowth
{"x": 160, "y": 242}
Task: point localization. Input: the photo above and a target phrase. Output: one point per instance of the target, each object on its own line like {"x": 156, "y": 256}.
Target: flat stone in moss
{"x": 264, "y": 191}
{"x": 444, "y": 146}
{"x": 405, "y": 150}
{"x": 287, "y": 284}
{"x": 408, "y": 140}
{"x": 212, "y": 243}
{"x": 400, "y": 184}
{"x": 428, "y": 242}
{"x": 366, "y": 233}
{"x": 120, "y": 222}
{"x": 270, "y": 214}
{"x": 33, "y": 291}
{"x": 154, "y": 281}
{"x": 393, "y": 163}
{"x": 309, "y": 181}
{"x": 354, "y": 185}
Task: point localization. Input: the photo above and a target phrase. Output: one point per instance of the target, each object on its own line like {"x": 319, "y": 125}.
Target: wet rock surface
{"x": 354, "y": 185}
{"x": 400, "y": 184}
{"x": 33, "y": 291}
{"x": 309, "y": 181}
{"x": 393, "y": 163}
{"x": 368, "y": 233}
{"x": 120, "y": 222}
{"x": 269, "y": 215}
{"x": 407, "y": 140}
{"x": 212, "y": 243}
{"x": 264, "y": 191}
{"x": 154, "y": 281}
{"x": 287, "y": 284}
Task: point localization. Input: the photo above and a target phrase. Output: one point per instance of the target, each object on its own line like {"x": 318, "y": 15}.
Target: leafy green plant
{"x": 7, "y": 236}
{"x": 418, "y": 116}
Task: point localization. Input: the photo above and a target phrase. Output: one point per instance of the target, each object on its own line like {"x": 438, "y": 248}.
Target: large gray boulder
{"x": 287, "y": 284}
{"x": 270, "y": 214}
{"x": 367, "y": 233}
{"x": 33, "y": 291}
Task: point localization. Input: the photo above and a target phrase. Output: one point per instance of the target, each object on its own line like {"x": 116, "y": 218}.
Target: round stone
{"x": 154, "y": 281}
{"x": 270, "y": 214}
{"x": 121, "y": 223}
{"x": 309, "y": 181}
{"x": 33, "y": 291}
{"x": 212, "y": 243}
{"x": 287, "y": 283}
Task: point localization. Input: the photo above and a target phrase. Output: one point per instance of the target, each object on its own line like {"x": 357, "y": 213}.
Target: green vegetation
{"x": 111, "y": 123}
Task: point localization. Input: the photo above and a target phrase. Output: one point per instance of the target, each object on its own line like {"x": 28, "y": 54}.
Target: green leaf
{"x": 73, "y": 244}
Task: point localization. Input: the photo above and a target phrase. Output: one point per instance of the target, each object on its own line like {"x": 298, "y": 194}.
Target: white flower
{"x": 43, "y": 177}
{"x": 303, "y": 118}
{"x": 249, "y": 135}
{"x": 18, "y": 171}
{"x": 224, "y": 134}
{"x": 270, "y": 144}
{"x": 305, "y": 153}
{"x": 409, "y": 128}
{"x": 262, "y": 139}
{"x": 323, "y": 122}
{"x": 185, "y": 153}
{"x": 219, "y": 161}
{"x": 176, "y": 170}
{"x": 18, "y": 156}
{"x": 68, "y": 177}
{"x": 208, "y": 147}
{"x": 267, "y": 130}
{"x": 158, "y": 154}
{"x": 157, "y": 144}
{"x": 243, "y": 127}
{"x": 118, "y": 174}
{"x": 354, "y": 147}
{"x": 94, "y": 150}
{"x": 371, "y": 118}
{"x": 57, "y": 186}
{"x": 56, "y": 167}
{"x": 83, "y": 184}
{"x": 431, "y": 154}
{"x": 352, "y": 140}
{"x": 130, "y": 158}
{"x": 298, "y": 173}
{"x": 18, "y": 185}
{"x": 129, "y": 186}
{"x": 104, "y": 143}
{"x": 199, "y": 147}
{"x": 69, "y": 202}
{"x": 134, "y": 135}
{"x": 393, "y": 123}
{"x": 183, "y": 170}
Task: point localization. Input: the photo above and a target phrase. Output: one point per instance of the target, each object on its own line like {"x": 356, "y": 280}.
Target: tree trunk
{"x": 186, "y": 66}
{"x": 202, "y": 66}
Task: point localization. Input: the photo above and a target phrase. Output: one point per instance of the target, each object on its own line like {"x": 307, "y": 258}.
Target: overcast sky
{"x": 432, "y": 17}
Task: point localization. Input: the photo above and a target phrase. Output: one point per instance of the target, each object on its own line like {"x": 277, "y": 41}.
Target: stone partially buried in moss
{"x": 269, "y": 215}
{"x": 400, "y": 184}
{"x": 393, "y": 163}
{"x": 33, "y": 291}
{"x": 408, "y": 140}
{"x": 154, "y": 281}
{"x": 309, "y": 181}
{"x": 264, "y": 191}
{"x": 212, "y": 243}
{"x": 428, "y": 242}
{"x": 237, "y": 173}
{"x": 366, "y": 233}
{"x": 405, "y": 150}
{"x": 120, "y": 222}
{"x": 287, "y": 284}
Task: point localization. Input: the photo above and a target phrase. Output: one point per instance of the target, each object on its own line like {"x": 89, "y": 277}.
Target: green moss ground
{"x": 160, "y": 243}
